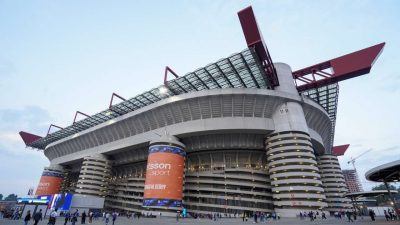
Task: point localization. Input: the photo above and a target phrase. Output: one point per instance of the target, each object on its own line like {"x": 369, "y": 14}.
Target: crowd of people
{"x": 109, "y": 218}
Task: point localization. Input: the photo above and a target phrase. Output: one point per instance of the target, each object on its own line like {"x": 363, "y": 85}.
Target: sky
{"x": 57, "y": 57}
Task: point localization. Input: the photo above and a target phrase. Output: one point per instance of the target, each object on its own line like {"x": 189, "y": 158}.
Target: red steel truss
{"x": 341, "y": 68}
{"x": 28, "y": 138}
{"x": 339, "y": 150}
{"x": 255, "y": 39}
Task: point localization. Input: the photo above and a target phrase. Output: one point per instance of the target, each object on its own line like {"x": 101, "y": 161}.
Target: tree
{"x": 383, "y": 187}
{"x": 1, "y": 197}
{"x": 11, "y": 197}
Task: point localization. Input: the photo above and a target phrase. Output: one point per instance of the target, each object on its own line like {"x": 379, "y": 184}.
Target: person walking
{"x": 74, "y": 218}
{"x": 114, "y": 217}
{"x": 348, "y": 214}
{"x": 90, "y": 217}
{"x": 38, "y": 216}
{"x": 52, "y": 218}
{"x": 83, "y": 219}
{"x": 107, "y": 218}
{"x": 323, "y": 216}
{"x": 67, "y": 216}
{"x": 372, "y": 214}
{"x": 27, "y": 217}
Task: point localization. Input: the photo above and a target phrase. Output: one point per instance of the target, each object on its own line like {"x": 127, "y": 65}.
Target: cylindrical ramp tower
{"x": 164, "y": 174}
{"x": 94, "y": 176}
{"x": 334, "y": 183}
{"x": 295, "y": 178}
{"x": 51, "y": 180}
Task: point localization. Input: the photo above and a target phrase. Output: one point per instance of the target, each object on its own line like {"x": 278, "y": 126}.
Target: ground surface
{"x": 167, "y": 221}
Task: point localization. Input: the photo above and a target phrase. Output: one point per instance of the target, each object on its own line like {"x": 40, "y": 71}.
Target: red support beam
{"x": 344, "y": 67}
{"x": 52, "y": 125}
{"x": 112, "y": 98}
{"x": 339, "y": 150}
{"x": 167, "y": 69}
{"x": 255, "y": 39}
{"x": 28, "y": 138}
{"x": 76, "y": 114}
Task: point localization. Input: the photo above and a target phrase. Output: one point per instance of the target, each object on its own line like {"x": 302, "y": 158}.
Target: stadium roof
{"x": 251, "y": 68}
{"x": 389, "y": 172}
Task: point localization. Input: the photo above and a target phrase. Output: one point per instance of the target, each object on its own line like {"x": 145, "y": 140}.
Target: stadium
{"x": 239, "y": 135}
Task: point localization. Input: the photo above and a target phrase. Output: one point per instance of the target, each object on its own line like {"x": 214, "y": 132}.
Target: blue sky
{"x": 57, "y": 57}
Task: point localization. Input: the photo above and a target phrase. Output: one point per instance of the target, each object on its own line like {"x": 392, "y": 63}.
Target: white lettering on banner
{"x": 47, "y": 184}
{"x": 155, "y": 186}
{"x": 155, "y": 166}
{"x": 159, "y": 173}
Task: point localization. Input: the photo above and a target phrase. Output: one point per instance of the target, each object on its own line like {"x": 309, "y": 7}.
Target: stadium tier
{"x": 240, "y": 135}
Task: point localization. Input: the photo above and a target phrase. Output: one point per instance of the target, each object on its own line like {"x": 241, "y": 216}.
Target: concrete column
{"x": 333, "y": 183}
{"x": 94, "y": 176}
{"x": 165, "y": 174}
{"x": 51, "y": 180}
{"x": 294, "y": 174}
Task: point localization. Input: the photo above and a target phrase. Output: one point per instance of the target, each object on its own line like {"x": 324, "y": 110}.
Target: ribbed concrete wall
{"x": 94, "y": 176}
{"x": 126, "y": 188}
{"x": 294, "y": 174}
{"x": 333, "y": 183}
{"x": 227, "y": 182}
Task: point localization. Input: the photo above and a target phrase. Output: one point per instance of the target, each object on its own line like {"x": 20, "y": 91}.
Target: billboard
{"x": 164, "y": 176}
{"x": 50, "y": 183}
{"x": 61, "y": 201}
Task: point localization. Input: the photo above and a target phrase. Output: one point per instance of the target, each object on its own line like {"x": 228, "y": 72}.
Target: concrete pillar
{"x": 334, "y": 183}
{"x": 294, "y": 174}
{"x": 94, "y": 176}
{"x": 165, "y": 174}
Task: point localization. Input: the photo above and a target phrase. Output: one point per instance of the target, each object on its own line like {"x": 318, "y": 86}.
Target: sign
{"x": 164, "y": 176}
{"x": 50, "y": 183}
{"x": 61, "y": 201}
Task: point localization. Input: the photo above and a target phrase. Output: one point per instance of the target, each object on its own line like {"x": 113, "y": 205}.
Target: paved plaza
{"x": 168, "y": 220}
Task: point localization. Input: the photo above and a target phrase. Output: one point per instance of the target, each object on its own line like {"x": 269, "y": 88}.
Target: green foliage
{"x": 1, "y": 197}
{"x": 383, "y": 187}
{"x": 11, "y": 197}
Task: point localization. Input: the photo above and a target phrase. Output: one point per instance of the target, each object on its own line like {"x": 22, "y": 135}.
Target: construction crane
{"x": 353, "y": 160}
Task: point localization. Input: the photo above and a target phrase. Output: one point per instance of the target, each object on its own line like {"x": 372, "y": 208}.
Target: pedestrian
{"x": 74, "y": 218}
{"x": 90, "y": 217}
{"x": 354, "y": 215}
{"x": 53, "y": 217}
{"x": 372, "y": 214}
{"x": 67, "y": 217}
{"x": 107, "y": 216}
{"x": 83, "y": 219}
{"x": 323, "y": 216}
{"x": 114, "y": 217}
{"x": 27, "y": 217}
{"x": 38, "y": 216}
{"x": 177, "y": 216}
{"x": 348, "y": 214}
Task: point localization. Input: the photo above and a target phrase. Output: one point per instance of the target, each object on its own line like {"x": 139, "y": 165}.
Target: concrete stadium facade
{"x": 248, "y": 150}
{"x": 247, "y": 135}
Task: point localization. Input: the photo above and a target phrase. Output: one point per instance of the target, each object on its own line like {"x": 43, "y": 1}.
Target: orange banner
{"x": 49, "y": 185}
{"x": 164, "y": 176}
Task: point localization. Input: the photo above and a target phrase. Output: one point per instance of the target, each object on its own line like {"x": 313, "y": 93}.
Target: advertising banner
{"x": 164, "y": 176}
{"x": 61, "y": 201}
{"x": 50, "y": 183}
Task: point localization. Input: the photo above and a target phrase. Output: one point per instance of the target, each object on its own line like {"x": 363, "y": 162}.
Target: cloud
{"x": 23, "y": 165}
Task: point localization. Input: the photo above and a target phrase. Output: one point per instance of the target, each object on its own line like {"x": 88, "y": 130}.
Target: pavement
{"x": 188, "y": 221}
